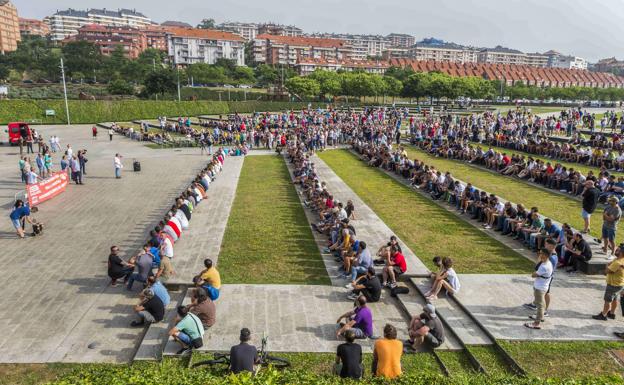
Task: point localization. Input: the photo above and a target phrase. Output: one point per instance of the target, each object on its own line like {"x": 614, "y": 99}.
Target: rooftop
{"x": 303, "y": 41}
{"x": 501, "y": 49}
{"x": 102, "y": 12}
{"x": 210, "y": 34}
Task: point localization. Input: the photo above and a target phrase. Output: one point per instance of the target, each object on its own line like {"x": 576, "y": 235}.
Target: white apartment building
{"x": 401, "y": 40}
{"x": 363, "y": 46}
{"x": 189, "y": 46}
{"x": 557, "y": 60}
{"x": 64, "y": 24}
{"x": 502, "y": 55}
{"x": 446, "y": 52}
{"x": 248, "y": 31}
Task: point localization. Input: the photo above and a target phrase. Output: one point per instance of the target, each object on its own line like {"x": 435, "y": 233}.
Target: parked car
{"x": 16, "y": 130}
{"x": 228, "y": 86}
{"x": 244, "y": 86}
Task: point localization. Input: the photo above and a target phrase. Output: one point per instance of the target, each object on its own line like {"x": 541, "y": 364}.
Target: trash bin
{"x": 136, "y": 165}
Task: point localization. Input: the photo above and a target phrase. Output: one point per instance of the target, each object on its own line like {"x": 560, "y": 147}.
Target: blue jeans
{"x": 184, "y": 338}
{"x": 117, "y": 172}
{"x": 135, "y": 277}
{"x": 355, "y": 270}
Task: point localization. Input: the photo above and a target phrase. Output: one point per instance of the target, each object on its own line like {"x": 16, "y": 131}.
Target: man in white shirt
{"x": 118, "y": 166}
{"x": 543, "y": 275}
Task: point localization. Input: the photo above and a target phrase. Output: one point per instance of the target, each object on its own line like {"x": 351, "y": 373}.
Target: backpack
{"x": 399, "y": 290}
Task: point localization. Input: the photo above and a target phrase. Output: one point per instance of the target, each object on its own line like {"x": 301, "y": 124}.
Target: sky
{"x": 589, "y": 29}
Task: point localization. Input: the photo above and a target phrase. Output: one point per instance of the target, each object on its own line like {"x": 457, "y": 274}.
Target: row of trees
{"x": 406, "y": 83}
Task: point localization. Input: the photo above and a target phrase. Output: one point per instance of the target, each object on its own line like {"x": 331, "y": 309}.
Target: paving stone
{"x": 57, "y": 300}
{"x": 296, "y": 318}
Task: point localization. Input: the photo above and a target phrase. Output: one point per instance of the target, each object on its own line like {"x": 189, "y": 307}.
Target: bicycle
{"x": 264, "y": 359}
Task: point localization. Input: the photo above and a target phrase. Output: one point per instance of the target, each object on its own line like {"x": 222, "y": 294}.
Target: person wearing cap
{"x": 615, "y": 285}
{"x": 243, "y": 356}
{"x": 150, "y": 308}
{"x": 426, "y": 328}
{"x": 611, "y": 217}
{"x": 360, "y": 320}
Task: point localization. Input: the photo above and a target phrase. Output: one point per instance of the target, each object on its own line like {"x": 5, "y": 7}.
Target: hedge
{"x": 168, "y": 374}
{"x": 86, "y": 111}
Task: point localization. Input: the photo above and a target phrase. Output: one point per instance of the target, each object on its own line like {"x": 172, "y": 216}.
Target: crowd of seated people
{"x": 154, "y": 265}
{"x": 526, "y": 225}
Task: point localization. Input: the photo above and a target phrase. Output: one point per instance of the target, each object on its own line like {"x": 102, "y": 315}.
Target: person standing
{"x": 590, "y": 202}
{"x": 542, "y": 276}
{"x": 82, "y": 159}
{"x": 94, "y": 131}
{"x": 615, "y": 286}
{"x": 110, "y": 134}
{"x": 611, "y": 217}
{"x": 74, "y": 164}
{"x": 118, "y": 165}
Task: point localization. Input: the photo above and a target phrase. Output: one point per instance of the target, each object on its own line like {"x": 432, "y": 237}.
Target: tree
{"x": 417, "y": 85}
{"x": 244, "y": 75}
{"x": 160, "y": 82}
{"x": 329, "y": 82}
{"x": 393, "y": 86}
{"x": 81, "y": 56}
{"x": 120, "y": 87}
{"x": 206, "y": 24}
{"x": 304, "y": 87}
{"x": 266, "y": 75}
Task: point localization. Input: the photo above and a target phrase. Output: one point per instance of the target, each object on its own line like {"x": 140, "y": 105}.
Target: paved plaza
{"x": 56, "y": 301}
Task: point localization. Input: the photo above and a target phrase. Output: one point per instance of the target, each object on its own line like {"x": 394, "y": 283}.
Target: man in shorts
{"x": 611, "y": 217}
{"x": 360, "y": 320}
{"x": 426, "y": 328}
{"x": 20, "y": 215}
{"x": 615, "y": 286}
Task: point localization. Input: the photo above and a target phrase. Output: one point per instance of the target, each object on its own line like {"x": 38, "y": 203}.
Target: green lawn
{"x": 566, "y": 359}
{"x": 559, "y": 207}
{"x": 426, "y": 228}
{"x": 268, "y": 238}
{"x": 534, "y": 109}
{"x": 577, "y": 166}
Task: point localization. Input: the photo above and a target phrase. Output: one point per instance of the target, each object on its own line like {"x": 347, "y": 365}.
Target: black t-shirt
{"x": 351, "y": 357}
{"x": 156, "y": 308}
{"x": 186, "y": 211}
{"x": 242, "y": 357}
{"x": 590, "y": 199}
{"x": 374, "y": 287}
{"x": 115, "y": 266}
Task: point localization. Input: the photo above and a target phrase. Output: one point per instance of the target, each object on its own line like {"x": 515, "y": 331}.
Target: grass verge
{"x": 550, "y": 204}
{"x": 491, "y": 361}
{"x": 268, "y": 238}
{"x": 570, "y": 359}
{"x": 426, "y": 228}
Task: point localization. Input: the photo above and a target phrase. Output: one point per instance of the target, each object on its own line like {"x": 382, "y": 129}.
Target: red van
{"x": 16, "y": 131}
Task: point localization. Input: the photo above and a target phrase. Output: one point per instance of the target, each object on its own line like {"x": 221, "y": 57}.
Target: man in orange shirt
{"x": 387, "y": 354}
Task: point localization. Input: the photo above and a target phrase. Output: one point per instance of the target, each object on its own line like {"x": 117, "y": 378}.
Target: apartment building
{"x": 108, "y": 38}
{"x": 64, "y": 24}
{"x": 33, "y": 27}
{"x": 248, "y": 31}
{"x": 192, "y": 45}
{"x": 401, "y": 40}
{"x": 306, "y": 66}
{"x": 610, "y": 65}
{"x": 362, "y": 46}
{"x": 502, "y": 55}
{"x": 395, "y": 52}
{"x": 431, "y": 49}
{"x": 279, "y": 29}
{"x": 558, "y": 60}
{"x": 271, "y": 49}
{"x": 9, "y": 27}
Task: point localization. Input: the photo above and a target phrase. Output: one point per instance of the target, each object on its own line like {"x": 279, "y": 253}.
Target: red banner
{"x": 47, "y": 188}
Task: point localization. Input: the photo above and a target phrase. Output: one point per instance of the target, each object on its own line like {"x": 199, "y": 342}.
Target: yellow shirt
{"x": 212, "y": 277}
{"x": 388, "y": 357}
{"x": 615, "y": 273}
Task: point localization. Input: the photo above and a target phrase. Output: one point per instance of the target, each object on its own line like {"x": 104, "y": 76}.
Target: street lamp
{"x": 65, "y": 91}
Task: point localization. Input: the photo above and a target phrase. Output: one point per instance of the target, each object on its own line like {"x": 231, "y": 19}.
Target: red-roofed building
{"x": 193, "y": 45}
{"x": 274, "y": 49}
{"x": 513, "y": 73}
{"x": 108, "y": 38}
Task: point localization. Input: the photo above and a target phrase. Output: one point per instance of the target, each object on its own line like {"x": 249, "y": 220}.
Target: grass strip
{"x": 550, "y": 204}
{"x": 457, "y": 362}
{"x": 566, "y": 359}
{"x": 491, "y": 361}
{"x": 268, "y": 239}
{"x": 426, "y": 228}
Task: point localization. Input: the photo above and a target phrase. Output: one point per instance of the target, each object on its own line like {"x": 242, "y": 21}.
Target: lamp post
{"x": 65, "y": 92}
